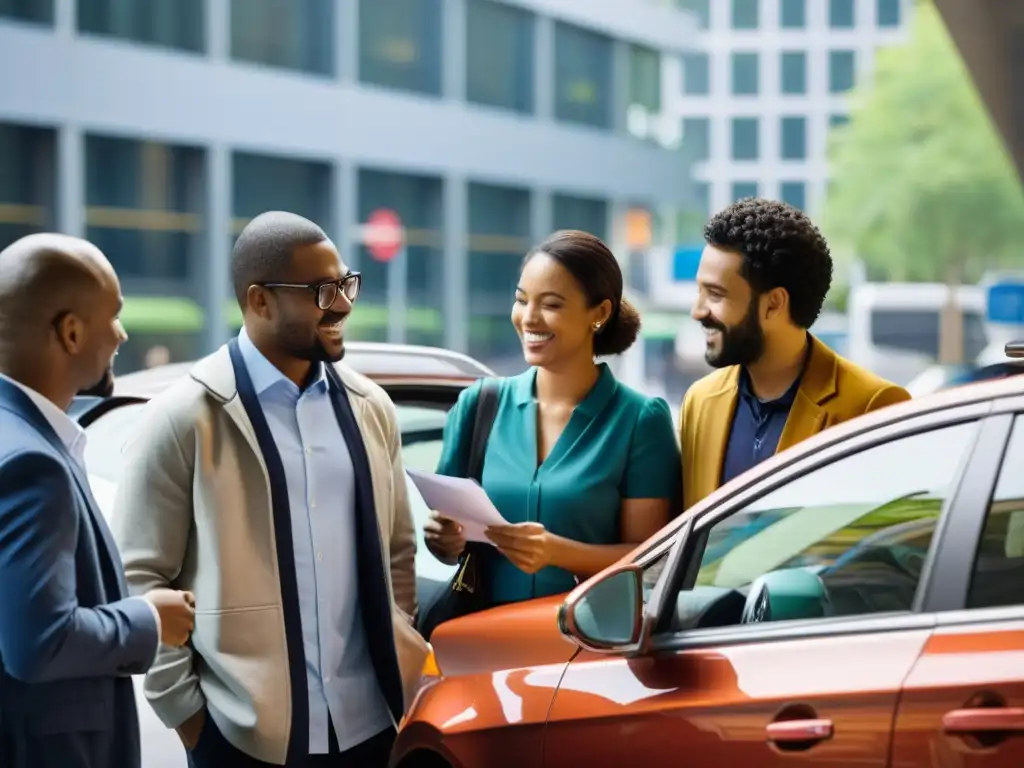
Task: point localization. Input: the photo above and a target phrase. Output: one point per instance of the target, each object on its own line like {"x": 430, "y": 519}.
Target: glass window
{"x": 848, "y": 547}
{"x": 742, "y": 189}
{"x": 840, "y": 14}
{"x": 27, "y": 181}
{"x": 794, "y": 138}
{"x": 583, "y": 76}
{"x": 499, "y": 227}
{"x": 793, "y": 14}
{"x": 697, "y": 138}
{"x": 745, "y": 70}
{"x": 39, "y": 11}
{"x": 400, "y": 44}
{"x": 889, "y": 13}
{"x": 699, "y": 8}
{"x": 177, "y": 24}
{"x": 589, "y": 215}
{"x": 419, "y": 203}
{"x": 499, "y": 56}
{"x": 696, "y": 74}
{"x": 691, "y": 219}
{"x": 746, "y": 144}
{"x": 293, "y": 34}
{"x": 841, "y": 71}
{"x": 793, "y": 73}
{"x": 144, "y": 207}
{"x": 262, "y": 183}
{"x": 998, "y": 575}
{"x": 645, "y": 77}
{"x": 794, "y": 193}
{"x": 746, "y": 14}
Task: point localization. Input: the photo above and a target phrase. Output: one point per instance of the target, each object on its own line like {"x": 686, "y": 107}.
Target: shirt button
{"x": 327, "y": 678}
{"x": 309, "y": 451}
{"x": 319, "y": 555}
{"x": 312, "y": 504}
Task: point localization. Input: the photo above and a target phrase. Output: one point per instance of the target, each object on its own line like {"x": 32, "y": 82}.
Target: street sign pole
{"x": 398, "y": 294}
{"x": 384, "y": 236}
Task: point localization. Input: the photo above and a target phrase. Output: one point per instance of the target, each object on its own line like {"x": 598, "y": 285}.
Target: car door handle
{"x": 799, "y": 732}
{"x": 984, "y": 720}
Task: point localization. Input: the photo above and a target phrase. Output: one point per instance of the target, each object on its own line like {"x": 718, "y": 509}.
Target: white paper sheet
{"x": 459, "y": 499}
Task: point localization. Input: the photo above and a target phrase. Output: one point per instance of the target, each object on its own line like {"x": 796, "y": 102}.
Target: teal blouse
{"x": 619, "y": 444}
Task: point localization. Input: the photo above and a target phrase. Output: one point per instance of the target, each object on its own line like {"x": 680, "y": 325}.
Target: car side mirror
{"x": 606, "y": 614}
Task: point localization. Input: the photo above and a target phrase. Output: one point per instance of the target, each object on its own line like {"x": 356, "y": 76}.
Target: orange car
{"x": 857, "y": 600}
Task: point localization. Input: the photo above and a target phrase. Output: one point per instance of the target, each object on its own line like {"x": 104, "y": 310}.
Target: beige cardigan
{"x": 193, "y": 511}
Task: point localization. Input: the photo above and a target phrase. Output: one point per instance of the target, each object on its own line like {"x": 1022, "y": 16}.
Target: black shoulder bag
{"x": 465, "y": 592}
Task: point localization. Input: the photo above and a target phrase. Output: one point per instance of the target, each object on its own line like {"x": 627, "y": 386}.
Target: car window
{"x": 998, "y": 575}
{"x": 847, "y": 538}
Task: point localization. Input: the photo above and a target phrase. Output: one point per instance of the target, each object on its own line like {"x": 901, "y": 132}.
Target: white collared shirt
{"x": 68, "y": 430}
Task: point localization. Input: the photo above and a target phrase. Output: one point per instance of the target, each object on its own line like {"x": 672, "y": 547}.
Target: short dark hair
{"x": 781, "y": 248}
{"x": 597, "y": 271}
{"x": 263, "y": 251}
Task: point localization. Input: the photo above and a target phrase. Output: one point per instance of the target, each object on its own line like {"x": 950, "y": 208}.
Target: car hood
{"x": 509, "y": 637}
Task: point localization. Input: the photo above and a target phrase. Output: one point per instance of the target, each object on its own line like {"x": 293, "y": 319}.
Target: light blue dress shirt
{"x": 318, "y": 471}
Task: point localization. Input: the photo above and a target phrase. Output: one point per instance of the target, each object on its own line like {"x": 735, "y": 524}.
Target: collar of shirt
{"x": 266, "y": 376}
{"x": 68, "y": 430}
{"x": 780, "y": 403}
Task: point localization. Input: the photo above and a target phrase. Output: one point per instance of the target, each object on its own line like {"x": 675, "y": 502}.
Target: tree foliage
{"x": 922, "y": 187}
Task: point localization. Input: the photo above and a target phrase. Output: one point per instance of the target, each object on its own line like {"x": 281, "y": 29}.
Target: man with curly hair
{"x": 762, "y": 280}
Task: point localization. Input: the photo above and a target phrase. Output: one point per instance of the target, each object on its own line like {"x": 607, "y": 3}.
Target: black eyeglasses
{"x": 326, "y": 293}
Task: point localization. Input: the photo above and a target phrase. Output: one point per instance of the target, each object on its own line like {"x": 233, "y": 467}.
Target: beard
{"x": 300, "y": 343}
{"x": 102, "y": 388}
{"x": 741, "y": 344}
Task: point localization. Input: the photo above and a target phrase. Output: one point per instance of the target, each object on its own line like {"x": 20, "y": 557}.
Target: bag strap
{"x": 483, "y": 420}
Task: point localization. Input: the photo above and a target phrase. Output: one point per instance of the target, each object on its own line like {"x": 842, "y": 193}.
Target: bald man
{"x": 70, "y": 636}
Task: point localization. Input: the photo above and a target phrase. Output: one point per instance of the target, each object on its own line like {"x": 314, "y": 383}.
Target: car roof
{"x": 384, "y": 363}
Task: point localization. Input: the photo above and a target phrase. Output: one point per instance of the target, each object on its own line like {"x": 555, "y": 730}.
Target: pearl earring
{"x": 597, "y": 326}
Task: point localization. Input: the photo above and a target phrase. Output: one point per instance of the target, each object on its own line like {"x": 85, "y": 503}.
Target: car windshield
{"x": 421, "y": 448}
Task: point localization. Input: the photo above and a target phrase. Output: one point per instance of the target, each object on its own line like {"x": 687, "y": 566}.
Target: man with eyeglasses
{"x": 271, "y": 484}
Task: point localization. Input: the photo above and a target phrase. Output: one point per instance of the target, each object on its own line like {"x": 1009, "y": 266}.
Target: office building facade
{"x": 769, "y": 80}
{"x": 158, "y": 129}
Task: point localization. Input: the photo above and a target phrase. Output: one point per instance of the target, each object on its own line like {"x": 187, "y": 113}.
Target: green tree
{"x": 923, "y": 189}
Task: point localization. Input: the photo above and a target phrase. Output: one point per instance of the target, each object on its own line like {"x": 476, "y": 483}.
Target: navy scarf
{"x": 374, "y": 600}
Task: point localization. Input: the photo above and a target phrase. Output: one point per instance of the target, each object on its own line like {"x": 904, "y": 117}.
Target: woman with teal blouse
{"x": 582, "y": 467}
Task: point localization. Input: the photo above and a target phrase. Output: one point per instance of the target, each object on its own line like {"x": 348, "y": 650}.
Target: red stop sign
{"x": 383, "y": 234}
